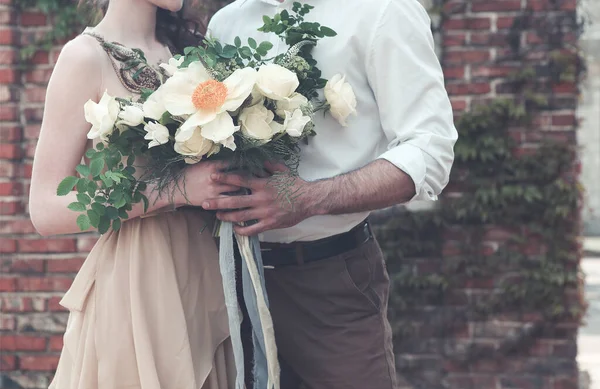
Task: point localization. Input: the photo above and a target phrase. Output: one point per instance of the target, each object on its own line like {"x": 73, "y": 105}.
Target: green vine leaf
{"x": 66, "y": 186}
{"x": 83, "y": 222}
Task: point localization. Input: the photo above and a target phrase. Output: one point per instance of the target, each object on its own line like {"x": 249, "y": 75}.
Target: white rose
{"x": 157, "y": 134}
{"x": 154, "y": 106}
{"x": 276, "y": 82}
{"x": 341, "y": 98}
{"x": 295, "y": 122}
{"x": 295, "y": 101}
{"x": 257, "y": 122}
{"x": 172, "y": 66}
{"x": 131, "y": 116}
{"x": 194, "y": 146}
{"x": 102, "y": 116}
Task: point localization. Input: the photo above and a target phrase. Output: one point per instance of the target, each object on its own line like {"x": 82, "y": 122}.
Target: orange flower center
{"x": 210, "y": 94}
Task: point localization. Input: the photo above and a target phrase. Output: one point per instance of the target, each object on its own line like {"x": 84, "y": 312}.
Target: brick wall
{"x": 35, "y": 272}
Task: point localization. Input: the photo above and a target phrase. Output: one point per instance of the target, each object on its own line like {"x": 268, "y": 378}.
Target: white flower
{"x": 257, "y": 123}
{"x": 157, "y": 134}
{"x": 154, "y": 106}
{"x": 295, "y": 101}
{"x": 221, "y": 131}
{"x": 194, "y": 146}
{"x": 341, "y": 98}
{"x": 102, "y": 116}
{"x": 172, "y": 66}
{"x": 192, "y": 93}
{"x": 295, "y": 122}
{"x": 131, "y": 116}
{"x": 276, "y": 82}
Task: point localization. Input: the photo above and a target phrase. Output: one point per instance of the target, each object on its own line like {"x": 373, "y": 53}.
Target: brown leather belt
{"x": 298, "y": 253}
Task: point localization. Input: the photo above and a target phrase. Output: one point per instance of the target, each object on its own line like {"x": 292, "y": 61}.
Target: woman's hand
{"x": 197, "y": 185}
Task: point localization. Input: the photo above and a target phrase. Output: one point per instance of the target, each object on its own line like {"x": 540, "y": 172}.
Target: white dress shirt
{"x": 386, "y": 50}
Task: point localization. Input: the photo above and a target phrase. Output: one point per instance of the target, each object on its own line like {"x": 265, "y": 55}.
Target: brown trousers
{"x": 330, "y": 322}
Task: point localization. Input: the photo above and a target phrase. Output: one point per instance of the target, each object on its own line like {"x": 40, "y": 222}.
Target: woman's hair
{"x": 172, "y": 28}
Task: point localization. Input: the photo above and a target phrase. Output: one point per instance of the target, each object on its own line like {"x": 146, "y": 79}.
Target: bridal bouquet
{"x": 218, "y": 101}
{"x": 231, "y": 102}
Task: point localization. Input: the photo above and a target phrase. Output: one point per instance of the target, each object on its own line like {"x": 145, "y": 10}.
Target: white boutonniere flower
{"x": 341, "y": 98}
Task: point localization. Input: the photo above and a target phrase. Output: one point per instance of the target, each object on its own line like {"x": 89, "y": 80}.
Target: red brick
{"x": 469, "y": 89}
{"x": 34, "y": 115}
{"x": 44, "y": 284}
{"x": 56, "y": 343}
{"x": 505, "y": 22}
{"x": 564, "y": 120}
{"x": 467, "y": 57}
{"x": 24, "y": 266}
{"x": 38, "y": 76}
{"x": 9, "y": 76}
{"x": 8, "y": 169}
{"x": 10, "y": 151}
{"x": 8, "y": 36}
{"x": 40, "y": 58}
{"x": 451, "y": 73}
{"x": 11, "y": 208}
{"x": 33, "y": 19}
{"x": 8, "y": 362}
{"x": 35, "y": 94}
{"x": 71, "y": 265}
{"x": 54, "y": 305}
{"x": 38, "y": 362}
{"x": 46, "y": 245}
{"x": 8, "y": 56}
{"x": 10, "y": 189}
{"x": 85, "y": 245}
{"x": 7, "y": 323}
{"x": 8, "y": 113}
{"x": 566, "y": 87}
{"x": 26, "y": 169}
{"x": 496, "y": 6}
{"x": 451, "y": 40}
{"x": 22, "y": 343}
{"x": 17, "y": 226}
{"x": 8, "y": 284}
{"x": 10, "y": 133}
{"x": 497, "y": 39}
{"x": 482, "y": 23}
{"x": 8, "y": 245}
{"x": 565, "y": 383}
{"x": 491, "y": 71}
{"x": 459, "y": 104}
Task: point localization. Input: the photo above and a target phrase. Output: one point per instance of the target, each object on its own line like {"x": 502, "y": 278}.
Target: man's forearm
{"x": 375, "y": 186}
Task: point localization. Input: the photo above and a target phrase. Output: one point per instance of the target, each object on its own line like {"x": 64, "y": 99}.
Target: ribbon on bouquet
{"x": 266, "y": 366}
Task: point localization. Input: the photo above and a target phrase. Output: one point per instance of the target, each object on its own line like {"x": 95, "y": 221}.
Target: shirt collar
{"x": 274, "y": 2}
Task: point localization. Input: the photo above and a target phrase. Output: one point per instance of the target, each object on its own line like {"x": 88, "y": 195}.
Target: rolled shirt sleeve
{"x": 407, "y": 80}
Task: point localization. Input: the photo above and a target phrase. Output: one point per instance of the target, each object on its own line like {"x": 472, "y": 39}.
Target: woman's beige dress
{"x": 147, "y": 308}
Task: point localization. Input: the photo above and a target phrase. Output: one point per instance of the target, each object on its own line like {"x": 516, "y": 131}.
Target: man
{"x": 325, "y": 274}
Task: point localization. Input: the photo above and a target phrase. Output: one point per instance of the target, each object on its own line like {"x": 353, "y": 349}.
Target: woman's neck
{"x": 130, "y": 22}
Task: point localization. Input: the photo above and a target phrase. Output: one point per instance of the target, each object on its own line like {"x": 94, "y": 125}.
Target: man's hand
{"x": 270, "y": 208}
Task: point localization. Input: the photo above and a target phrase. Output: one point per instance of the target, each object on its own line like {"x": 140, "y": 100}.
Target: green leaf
{"x": 116, "y": 225}
{"x": 123, "y": 213}
{"x": 238, "y": 42}
{"x": 130, "y": 160}
{"x": 84, "y": 199}
{"x": 66, "y": 186}
{"x": 82, "y": 185}
{"x": 112, "y": 213}
{"x": 93, "y": 217}
{"x": 265, "y": 46}
{"x": 99, "y": 208}
{"x": 96, "y": 167}
{"x": 121, "y": 202}
{"x": 77, "y": 207}
{"x": 188, "y": 50}
{"x": 90, "y": 153}
{"x": 92, "y": 187}
{"x": 245, "y": 52}
{"x": 145, "y": 201}
{"x": 328, "y": 31}
{"x": 229, "y": 51}
{"x": 83, "y": 222}
{"x": 100, "y": 146}
{"x": 104, "y": 225}
{"x": 267, "y": 20}
{"x": 252, "y": 43}
{"x": 84, "y": 170}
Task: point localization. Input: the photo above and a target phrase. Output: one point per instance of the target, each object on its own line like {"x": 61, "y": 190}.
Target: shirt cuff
{"x": 410, "y": 160}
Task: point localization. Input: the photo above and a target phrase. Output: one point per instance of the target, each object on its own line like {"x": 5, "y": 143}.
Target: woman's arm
{"x": 78, "y": 77}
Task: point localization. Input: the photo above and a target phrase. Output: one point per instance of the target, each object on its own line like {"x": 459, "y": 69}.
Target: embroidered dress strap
{"x": 130, "y": 65}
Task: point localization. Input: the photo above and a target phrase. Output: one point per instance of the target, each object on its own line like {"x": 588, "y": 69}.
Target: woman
{"x": 147, "y": 308}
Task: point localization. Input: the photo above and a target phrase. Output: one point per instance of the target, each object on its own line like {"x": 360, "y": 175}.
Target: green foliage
{"x": 68, "y": 18}
{"x": 107, "y": 188}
